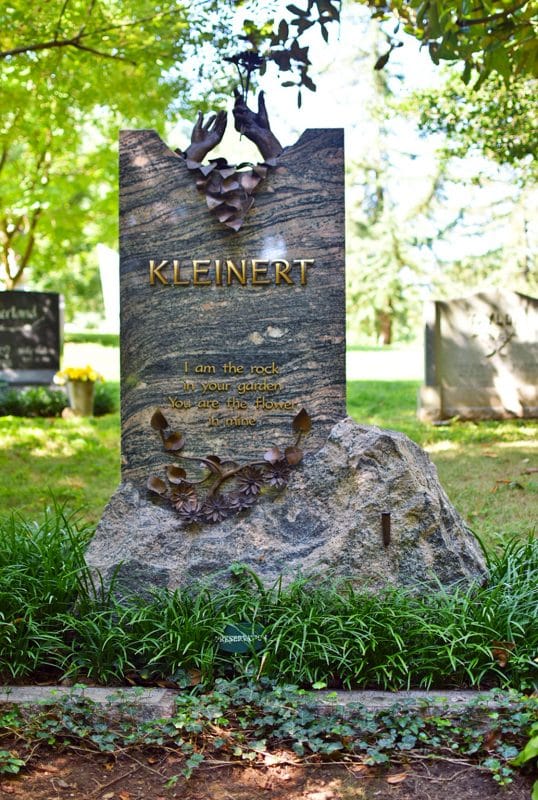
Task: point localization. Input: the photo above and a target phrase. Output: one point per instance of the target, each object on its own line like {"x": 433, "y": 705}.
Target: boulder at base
{"x": 328, "y": 521}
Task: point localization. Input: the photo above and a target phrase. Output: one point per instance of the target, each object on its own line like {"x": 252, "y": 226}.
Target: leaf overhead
{"x": 302, "y": 422}
{"x": 158, "y": 421}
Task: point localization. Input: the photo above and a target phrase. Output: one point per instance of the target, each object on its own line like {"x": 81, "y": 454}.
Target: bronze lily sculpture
{"x": 202, "y": 500}
{"x": 227, "y": 188}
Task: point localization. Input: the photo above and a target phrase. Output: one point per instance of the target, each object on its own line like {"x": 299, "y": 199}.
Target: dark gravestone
{"x": 230, "y": 334}
{"x": 481, "y": 357}
{"x": 30, "y": 336}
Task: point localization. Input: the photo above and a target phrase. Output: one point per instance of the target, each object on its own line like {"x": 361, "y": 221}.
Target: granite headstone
{"x": 226, "y": 337}
{"x": 230, "y": 333}
{"x": 30, "y": 336}
{"x": 481, "y": 357}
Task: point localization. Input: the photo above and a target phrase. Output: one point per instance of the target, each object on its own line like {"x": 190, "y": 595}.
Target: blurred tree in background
{"x": 73, "y": 73}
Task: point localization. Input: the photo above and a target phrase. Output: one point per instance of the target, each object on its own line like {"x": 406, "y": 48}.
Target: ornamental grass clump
{"x": 57, "y": 618}
{"x": 42, "y": 574}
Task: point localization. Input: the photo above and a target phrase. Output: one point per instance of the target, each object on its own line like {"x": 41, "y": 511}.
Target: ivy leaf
{"x": 529, "y": 751}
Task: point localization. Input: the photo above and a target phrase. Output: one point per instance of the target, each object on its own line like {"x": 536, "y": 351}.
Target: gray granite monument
{"x": 481, "y": 356}
{"x": 230, "y": 333}
{"x": 235, "y": 446}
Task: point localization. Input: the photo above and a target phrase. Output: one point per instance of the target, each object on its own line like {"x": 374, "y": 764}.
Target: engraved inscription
{"x": 241, "y": 395}
{"x": 228, "y": 272}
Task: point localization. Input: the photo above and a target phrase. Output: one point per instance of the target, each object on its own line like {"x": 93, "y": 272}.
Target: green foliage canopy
{"x": 485, "y": 36}
{"x": 73, "y": 73}
{"x": 499, "y": 121}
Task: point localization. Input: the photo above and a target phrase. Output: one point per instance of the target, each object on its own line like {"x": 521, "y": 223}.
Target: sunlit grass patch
{"x": 74, "y": 460}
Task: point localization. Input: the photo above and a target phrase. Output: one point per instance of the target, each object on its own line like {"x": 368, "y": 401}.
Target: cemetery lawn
{"x": 488, "y": 469}
{"x": 73, "y": 461}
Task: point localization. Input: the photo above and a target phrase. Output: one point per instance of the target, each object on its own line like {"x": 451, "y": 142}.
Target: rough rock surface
{"x": 327, "y": 521}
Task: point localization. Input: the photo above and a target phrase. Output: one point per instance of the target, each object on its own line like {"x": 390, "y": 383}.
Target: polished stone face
{"x": 30, "y": 333}
{"x": 230, "y": 333}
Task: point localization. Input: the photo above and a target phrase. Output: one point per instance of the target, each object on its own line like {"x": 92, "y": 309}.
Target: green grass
{"x": 88, "y": 337}
{"x": 482, "y": 465}
{"x": 71, "y": 460}
{"x": 314, "y": 632}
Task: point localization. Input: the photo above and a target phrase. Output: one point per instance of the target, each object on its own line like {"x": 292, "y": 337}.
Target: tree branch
{"x": 34, "y": 48}
{"x": 3, "y": 157}
{"x": 464, "y": 22}
{"x": 79, "y": 46}
{"x": 59, "y": 23}
{"x": 74, "y": 41}
{"x": 29, "y": 244}
{"x": 139, "y": 21}
{"x": 56, "y": 43}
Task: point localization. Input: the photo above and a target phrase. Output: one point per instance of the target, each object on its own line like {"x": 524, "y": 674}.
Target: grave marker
{"x": 30, "y": 336}
{"x": 232, "y": 322}
{"x": 481, "y": 357}
{"x": 230, "y": 333}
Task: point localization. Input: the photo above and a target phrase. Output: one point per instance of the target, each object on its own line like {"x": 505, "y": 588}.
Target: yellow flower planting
{"x": 86, "y": 373}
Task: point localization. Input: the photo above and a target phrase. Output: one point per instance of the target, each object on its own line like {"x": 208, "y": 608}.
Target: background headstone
{"x": 481, "y": 357}
{"x": 229, "y": 364}
{"x": 30, "y": 336}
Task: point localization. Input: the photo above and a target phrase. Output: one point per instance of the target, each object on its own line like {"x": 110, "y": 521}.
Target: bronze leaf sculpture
{"x": 228, "y": 189}
{"x": 202, "y": 500}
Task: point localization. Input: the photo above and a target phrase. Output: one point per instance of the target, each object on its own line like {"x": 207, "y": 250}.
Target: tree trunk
{"x": 384, "y": 325}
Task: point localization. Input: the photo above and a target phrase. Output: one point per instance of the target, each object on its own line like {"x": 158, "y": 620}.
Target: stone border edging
{"x": 374, "y": 700}
{"x": 144, "y": 704}
{"x": 141, "y": 703}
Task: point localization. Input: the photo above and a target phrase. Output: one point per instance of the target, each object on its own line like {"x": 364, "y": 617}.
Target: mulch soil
{"x": 143, "y": 774}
